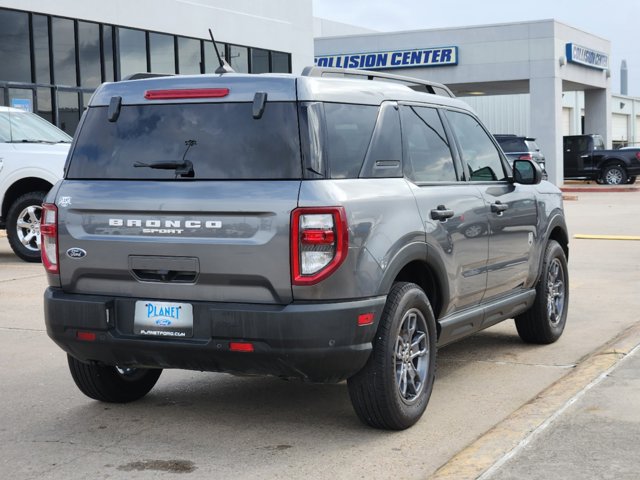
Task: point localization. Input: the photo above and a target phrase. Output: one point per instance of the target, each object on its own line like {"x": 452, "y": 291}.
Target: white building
{"x": 542, "y": 60}
{"x": 54, "y": 54}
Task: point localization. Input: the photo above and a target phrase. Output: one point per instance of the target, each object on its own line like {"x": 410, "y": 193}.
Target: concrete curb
{"x": 499, "y": 443}
{"x": 599, "y": 189}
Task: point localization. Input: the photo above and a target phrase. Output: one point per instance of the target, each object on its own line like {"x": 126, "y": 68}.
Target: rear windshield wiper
{"x": 184, "y": 168}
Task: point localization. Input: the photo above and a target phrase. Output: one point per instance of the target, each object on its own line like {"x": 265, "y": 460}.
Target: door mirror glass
{"x": 527, "y": 172}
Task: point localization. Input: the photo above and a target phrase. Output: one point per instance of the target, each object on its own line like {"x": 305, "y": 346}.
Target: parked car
{"x": 32, "y": 156}
{"x": 293, "y": 225}
{"x": 586, "y": 158}
{"x": 517, "y": 147}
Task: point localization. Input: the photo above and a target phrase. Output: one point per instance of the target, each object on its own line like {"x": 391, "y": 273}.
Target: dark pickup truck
{"x": 586, "y": 158}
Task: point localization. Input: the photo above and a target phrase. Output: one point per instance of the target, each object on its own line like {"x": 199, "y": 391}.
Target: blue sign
{"x": 22, "y": 103}
{"x": 421, "y": 57}
{"x": 587, "y": 56}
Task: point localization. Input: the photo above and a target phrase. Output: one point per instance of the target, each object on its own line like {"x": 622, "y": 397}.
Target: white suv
{"x": 32, "y": 156}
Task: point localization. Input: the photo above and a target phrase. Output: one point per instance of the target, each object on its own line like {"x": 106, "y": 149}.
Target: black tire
{"x": 544, "y": 322}
{"x": 631, "y": 180}
{"x": 376, "y": 391}
{"x": 614, "y": 175}
{"x": 24, "y": 238}
{"x": 112, "y": 384}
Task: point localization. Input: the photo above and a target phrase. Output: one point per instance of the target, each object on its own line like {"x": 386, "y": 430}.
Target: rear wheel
{"x": 112, "y": 384}
{"x": 392, "y": 390}
{"x": 23, "y": 226}
{"x": 614, "y": 175}
{"x": 544, "y": 322}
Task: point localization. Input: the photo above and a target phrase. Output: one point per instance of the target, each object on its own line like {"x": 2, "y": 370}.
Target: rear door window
{"x": 427, "y": 151}
{"x": 221, "y": 140}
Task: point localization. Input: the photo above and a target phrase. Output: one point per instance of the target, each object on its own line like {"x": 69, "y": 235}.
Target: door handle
{"x": 499, "y": 207}
{"x": 441, "y": 213}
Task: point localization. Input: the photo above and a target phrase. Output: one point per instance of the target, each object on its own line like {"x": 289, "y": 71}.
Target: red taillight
{"x": 526, "y": 156}
{"x": 365, "y": 319}
{"x": 86, "y": 336}
{"x": 49, "y": 238}
{"x": 241, "y": 346}
{"x": 638, "y": 155}
{"x": 319, "y": 243}
{"x": 186, "y": 93}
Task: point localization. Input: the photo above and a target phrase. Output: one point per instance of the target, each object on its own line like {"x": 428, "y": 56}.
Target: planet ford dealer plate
{"x": 163, "y": 319}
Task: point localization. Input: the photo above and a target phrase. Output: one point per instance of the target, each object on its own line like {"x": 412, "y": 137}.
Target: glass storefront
{"x": 51, "y": 65}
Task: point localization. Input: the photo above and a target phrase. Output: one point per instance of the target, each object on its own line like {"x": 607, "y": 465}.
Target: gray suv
{"x": 312, "y": 227}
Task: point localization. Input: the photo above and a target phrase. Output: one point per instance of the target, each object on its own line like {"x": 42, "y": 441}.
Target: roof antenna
{"x": 224, "y": 66}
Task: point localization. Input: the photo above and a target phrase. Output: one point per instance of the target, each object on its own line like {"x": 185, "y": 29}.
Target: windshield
{"x": 19, "y": 127}
{"x": 216, "y": 141}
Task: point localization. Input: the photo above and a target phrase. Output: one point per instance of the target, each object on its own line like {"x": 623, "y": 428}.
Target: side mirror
{"x": 527, "y": 172}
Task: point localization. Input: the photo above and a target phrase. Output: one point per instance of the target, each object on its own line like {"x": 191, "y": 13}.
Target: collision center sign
{"x": 587, "y": 56}
{"x": 421, "y": 57}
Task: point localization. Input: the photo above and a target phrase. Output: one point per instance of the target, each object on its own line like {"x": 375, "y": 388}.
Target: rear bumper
{"x": 318, "y": 342}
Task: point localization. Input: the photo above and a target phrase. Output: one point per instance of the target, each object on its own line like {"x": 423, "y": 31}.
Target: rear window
{"x": 221, "y": 140}
{"x": 512, "y": 145}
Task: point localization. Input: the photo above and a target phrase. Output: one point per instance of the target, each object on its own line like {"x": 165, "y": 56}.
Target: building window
{"x": 68, "y": 111}
{"x": 89, "y": 52}
{"x": 189, "y": 56}
{"x": 133, "y": 51}
{"x": 15, "y": 57}
{"x": 280, "y": 62}
{"x": 259, "y": 60}
{"x": 41, "y": 49}
{"x": 64, "y": 51}
{"x": 210, "y": 59}
{"x": 107, "y": 53}
{"x": 239, "y": 57}
{"x": 162, "y": 53}
{"x": 45, "y": 107}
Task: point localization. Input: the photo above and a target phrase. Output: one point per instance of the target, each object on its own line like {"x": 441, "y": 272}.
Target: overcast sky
{"x": 616, "y": 20}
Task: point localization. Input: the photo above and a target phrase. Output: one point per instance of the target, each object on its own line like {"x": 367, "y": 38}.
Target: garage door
{"x": 619, "y": 129}
{"x": 566, "y": 121}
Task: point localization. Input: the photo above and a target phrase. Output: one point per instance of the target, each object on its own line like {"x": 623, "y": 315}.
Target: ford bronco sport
{"x": 308, "y": 226}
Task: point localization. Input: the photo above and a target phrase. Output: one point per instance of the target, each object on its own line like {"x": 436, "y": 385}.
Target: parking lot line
{"x": 503, "y": 440}
{"x": 606, "y": 237}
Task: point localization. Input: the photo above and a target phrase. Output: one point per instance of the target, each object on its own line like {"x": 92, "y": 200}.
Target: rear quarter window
{"x": 348, "y": 132}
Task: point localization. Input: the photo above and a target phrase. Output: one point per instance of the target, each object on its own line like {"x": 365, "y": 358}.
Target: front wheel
{"x": 112, "y": 384}
{"x": 544, "y": 322}
{"x": 23, "y": 226}
{"x": 614, "y": 175}
{"x": 393, "y": 389}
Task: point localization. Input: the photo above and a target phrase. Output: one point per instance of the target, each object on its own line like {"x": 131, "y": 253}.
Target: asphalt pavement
{"x": 499, "y": 409}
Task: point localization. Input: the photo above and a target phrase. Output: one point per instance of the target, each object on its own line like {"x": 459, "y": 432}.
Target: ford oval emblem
{"x": 163, "y": 322}
{"x": 76, "y": 252}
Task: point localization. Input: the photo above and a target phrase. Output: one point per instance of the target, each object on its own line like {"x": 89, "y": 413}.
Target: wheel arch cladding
{"x": 19, "y": 188}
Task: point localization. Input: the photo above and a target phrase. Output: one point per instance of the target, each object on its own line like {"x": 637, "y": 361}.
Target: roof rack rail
{"x": 416, "y": 84}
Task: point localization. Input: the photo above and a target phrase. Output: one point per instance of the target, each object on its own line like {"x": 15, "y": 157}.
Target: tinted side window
{"x": 476, "y": 148}
{"x": 349, "y": 129}
{"x": 427, "y": 151}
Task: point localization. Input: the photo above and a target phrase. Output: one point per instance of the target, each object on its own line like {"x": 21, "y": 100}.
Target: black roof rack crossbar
{"x": 416, "y": 84}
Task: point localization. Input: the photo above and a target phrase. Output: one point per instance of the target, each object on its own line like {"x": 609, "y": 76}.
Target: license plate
{"x": 163, "y": 319}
